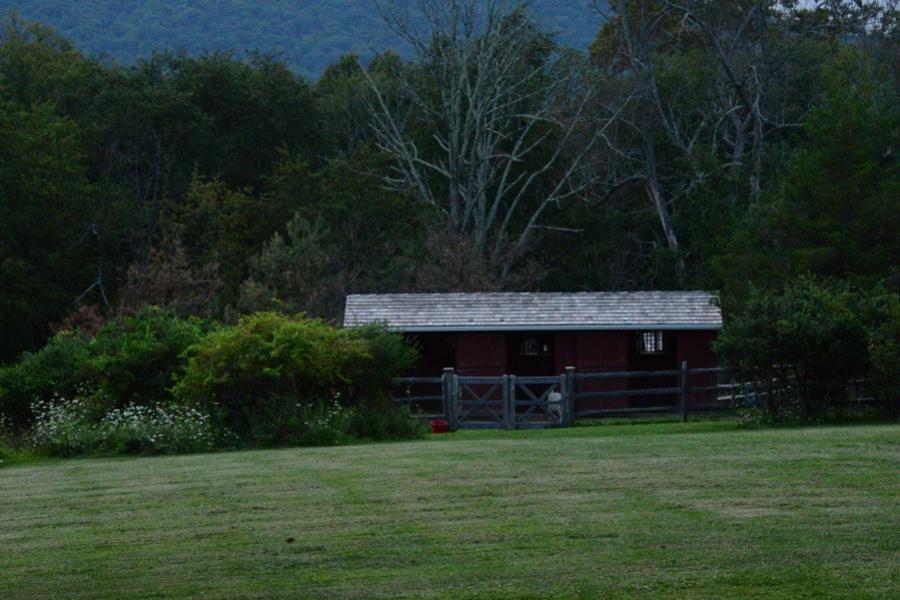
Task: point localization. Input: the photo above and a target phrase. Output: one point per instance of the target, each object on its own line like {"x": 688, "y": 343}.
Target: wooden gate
{"x": 537, "y": 402}
{"x": 479, "y": 402}
{"x": 507, "y": 401}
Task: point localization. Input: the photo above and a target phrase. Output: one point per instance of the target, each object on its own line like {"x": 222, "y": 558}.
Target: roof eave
{"x": 555, "y": 327}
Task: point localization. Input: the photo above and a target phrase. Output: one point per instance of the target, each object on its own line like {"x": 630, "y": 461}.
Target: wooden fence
{"x": 510, "y": 401}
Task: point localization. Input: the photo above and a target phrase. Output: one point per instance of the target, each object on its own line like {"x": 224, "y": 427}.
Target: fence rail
{"x": 511, "y": 401}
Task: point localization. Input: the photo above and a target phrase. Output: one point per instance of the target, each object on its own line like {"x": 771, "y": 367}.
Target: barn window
{"x": 651, "y": 342}
{"x": 532, "y": 346}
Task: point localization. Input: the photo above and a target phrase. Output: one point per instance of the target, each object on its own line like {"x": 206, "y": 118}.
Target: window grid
{"x": 652, "y": 342}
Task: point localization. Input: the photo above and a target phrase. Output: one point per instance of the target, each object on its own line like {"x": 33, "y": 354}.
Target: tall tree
{"x": 486, "y": 137}
{"x": 46, "y": 249}
{"x": 836, "y": 210}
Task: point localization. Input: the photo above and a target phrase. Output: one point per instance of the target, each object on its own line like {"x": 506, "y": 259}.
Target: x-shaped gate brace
{"x": 534, "y": 402}
{"x": 484, "y": 401}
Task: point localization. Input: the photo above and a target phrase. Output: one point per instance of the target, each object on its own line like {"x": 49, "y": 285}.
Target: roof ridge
{"x": 581, "y": 293}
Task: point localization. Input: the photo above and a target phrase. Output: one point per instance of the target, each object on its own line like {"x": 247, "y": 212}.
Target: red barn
{"x": 543, "y": 333}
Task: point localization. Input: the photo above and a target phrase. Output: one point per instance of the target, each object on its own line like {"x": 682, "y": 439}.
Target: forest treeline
{"x": 725, "y": 145}
{"x": 309, "y": 34}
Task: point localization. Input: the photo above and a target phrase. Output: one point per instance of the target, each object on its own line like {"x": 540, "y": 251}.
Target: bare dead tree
{"x": 633, "y": 146}
{"x": 742, "y": 99}
{"x": 503, "y": 119}
{"x": 737, "y": 38}
{"x": 750, "y": 44}
{"x": 99, "y": 281}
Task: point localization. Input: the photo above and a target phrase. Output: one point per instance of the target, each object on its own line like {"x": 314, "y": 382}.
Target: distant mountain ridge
{"x": 310, "y": 34}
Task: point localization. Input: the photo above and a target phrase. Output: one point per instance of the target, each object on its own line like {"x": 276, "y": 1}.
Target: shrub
{"x": 145, "y": 429}
{"x": 269, "y": 380}
{"x": 5, "y": 435}
{"x": 806, "y": 341}
{"x": 131, "y": 360}
{"x": 260, "y": 377}
{"x": 884, "y": 351}
{"x": 58, "y": 368}
{"x": 324, "y": 423}
{"x": 388, "y": 355}
{"x": 388, "y": 422}
{"x": 283, "y": 421}
{"x": 66, "y": 427}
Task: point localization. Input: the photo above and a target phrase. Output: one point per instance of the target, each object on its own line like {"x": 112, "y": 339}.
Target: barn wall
{"x": 437, "y": 351}
{"x": 481, "y": 353}
{"x": 695, "y": 347}
{"x": 598, "y": 352}
{"x": 486, "y": 354}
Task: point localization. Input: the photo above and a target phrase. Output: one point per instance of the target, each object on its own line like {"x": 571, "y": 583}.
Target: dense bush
{"x": 261, "y": 378}
{"x": 134, "y": 359}
{"x": 131, "y": 360}
{"x": 58, "y": 368}
{"x": 884, "y": 351}
{"x": 387, "y": 355}
{"x": 388, "y": 422}
{"x": 5, "y": 434}
{"x": 67, "y": 427}
{"x": 153, "y": 382}
{"x": 804, "y": 343}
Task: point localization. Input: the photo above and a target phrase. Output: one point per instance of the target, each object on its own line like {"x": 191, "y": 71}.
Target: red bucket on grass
{"x": 440, "y": 426}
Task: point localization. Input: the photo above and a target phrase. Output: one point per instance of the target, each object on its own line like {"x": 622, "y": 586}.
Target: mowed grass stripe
{"x": 695, "y": 510}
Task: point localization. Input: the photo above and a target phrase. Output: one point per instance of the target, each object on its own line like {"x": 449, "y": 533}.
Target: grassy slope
{"x": 699, "y": 510}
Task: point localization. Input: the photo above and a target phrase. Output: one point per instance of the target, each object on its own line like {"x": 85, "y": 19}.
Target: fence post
{"x": 509, "y": 401}
{"x": 454, "y": 397}
{"x": 451, "y": 398}
{"x": 570, "y": 396}
{"x": 685, "y": 391}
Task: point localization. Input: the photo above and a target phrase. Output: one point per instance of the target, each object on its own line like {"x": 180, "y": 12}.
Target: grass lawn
{"x": 658, "y": 510}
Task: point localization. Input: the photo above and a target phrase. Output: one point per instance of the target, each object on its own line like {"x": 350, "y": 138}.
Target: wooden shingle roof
{"x": 534, "y": 311}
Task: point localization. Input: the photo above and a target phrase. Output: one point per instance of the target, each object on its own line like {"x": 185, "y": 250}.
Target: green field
{"x": 657, "y": 510}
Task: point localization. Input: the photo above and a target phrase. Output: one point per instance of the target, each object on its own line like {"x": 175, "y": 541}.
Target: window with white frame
{"x": 651, "y": 342}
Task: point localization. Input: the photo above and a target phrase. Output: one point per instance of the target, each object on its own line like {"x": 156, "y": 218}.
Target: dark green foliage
{"x": 252, "y": 110}
{"x": 344, "y": 236}
{"x": 266, "y": 378}
{"x": 805, "y": 343}
{"x": 131, "y": 360}
{"x": 385, "y": 422}
{"x": 45, "y": 204}
{"x": 836, "y": 211}
{"x": 387, "y": 355}
{"x": 59, "y": 368}
{"x": 884, "y": 350}
{"x": 112, "y": 163}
